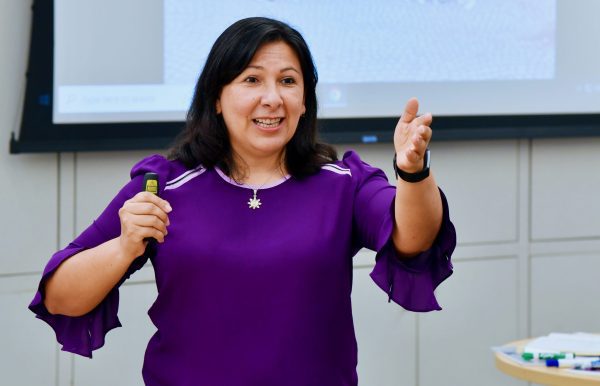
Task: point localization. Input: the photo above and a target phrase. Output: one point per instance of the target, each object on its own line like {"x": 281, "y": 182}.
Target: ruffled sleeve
{"x": 408, "y": 282}
{"x": 83, "y": 334}
{"x": 411, "y": 282}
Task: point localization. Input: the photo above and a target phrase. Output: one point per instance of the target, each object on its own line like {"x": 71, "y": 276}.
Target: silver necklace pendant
{"x": 254, "y": 203}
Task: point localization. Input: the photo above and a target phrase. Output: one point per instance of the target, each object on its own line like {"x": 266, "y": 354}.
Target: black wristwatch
{"x": 414, "y": 177}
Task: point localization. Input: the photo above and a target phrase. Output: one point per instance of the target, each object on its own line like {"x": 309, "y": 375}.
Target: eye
{"x": 288, "y": 80}
{"x": 251, "y": 79}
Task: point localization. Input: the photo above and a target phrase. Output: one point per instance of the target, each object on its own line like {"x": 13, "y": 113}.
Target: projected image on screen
{"x": 460, "y": 57}
{"x": 384, "y": 41}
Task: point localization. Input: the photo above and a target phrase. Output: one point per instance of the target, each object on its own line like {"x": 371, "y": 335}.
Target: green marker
{"x": 541, "y": 355}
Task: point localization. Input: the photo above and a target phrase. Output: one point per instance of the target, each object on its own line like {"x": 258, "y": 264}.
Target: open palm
{"x": 411, "y": 137}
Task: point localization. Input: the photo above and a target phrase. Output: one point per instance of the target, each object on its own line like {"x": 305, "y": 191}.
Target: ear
{"x": 218, "y": 106}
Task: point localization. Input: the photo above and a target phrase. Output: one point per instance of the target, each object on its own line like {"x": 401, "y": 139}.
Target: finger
{"x": 419, "y": 142}
{"x": 137, "y": 234}
{"x": 412, "y": 155}
{"x": 416, "y": 145}
{"x": 150, "y": 197}
{"x": 425, "y": 133}
{"x": 137, "y": 228}
{"x": 410, "y": 111}
{"x": 146, "y": 208}
{"x": 425, "y": 120}
{"x": 150, "y": 222}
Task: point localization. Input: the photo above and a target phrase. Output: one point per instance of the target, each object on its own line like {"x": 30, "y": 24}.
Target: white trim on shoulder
{"x": 185, "y": 177}
{"x": 336, "y": 169}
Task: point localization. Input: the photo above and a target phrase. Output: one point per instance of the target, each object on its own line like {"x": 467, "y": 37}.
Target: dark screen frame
{"x": 39, "y": 134}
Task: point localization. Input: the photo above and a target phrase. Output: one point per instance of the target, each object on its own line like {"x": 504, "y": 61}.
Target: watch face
{"x": 426, "y": 159}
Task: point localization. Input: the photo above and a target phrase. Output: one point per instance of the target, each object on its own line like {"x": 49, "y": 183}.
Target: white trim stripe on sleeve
{"x": 184, "y": 178}
{"x": 336, "y": 169}
{"x": 183, "y": 175}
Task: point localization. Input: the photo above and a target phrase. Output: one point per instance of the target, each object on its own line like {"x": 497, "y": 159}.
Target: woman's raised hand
{"x": 411, "y": 137}
{"x": 143, "y": 216}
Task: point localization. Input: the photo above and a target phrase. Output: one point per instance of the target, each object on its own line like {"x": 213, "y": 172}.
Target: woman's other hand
{"x": 411, "y": 137}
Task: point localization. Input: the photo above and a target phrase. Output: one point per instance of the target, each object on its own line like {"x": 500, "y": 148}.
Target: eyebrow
{"x": 282, "y": 70}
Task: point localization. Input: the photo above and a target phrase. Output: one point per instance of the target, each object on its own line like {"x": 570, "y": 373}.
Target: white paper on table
{"x": 579, "y": 343}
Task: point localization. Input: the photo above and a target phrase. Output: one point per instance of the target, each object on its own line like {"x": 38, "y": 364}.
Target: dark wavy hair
{"x": 205, "y": 140}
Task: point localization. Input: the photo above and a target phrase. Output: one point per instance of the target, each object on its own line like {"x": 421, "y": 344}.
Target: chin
{"x": 270, "y": 145}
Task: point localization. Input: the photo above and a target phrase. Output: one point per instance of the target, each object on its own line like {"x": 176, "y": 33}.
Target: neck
{"x": 257, "y": 171}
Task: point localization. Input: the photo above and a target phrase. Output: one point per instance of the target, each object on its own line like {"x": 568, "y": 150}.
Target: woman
{"x": 256, "y": 226}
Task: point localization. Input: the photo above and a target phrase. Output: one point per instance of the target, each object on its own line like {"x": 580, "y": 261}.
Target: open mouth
{"x": 268, "y": 123}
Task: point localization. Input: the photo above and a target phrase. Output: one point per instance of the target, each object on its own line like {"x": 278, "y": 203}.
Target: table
{"x": 542, "y": 375}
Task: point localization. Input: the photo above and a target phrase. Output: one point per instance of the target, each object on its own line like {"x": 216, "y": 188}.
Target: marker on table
{"x": 582, "y": 363}
{"x": 547, "y": 355}
{"x": 595, "y": 365}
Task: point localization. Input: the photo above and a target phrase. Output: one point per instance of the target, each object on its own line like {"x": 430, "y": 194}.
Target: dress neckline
{"x": 231, "y": 181}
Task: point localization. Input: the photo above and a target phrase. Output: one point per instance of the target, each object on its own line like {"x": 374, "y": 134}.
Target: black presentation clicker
{"x": 150, "y": 185}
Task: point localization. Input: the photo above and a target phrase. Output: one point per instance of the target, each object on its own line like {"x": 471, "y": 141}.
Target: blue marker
{"x": 581, "y": 363}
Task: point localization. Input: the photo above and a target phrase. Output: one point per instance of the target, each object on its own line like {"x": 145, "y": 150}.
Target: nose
{"x": 271, "y": 96}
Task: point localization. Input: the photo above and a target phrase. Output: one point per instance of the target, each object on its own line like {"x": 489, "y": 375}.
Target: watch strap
{"x": 414, "y": 177}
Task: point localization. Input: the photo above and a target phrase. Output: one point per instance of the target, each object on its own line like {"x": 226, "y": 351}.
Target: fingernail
{"x": 168, "y": 222}
{"x": 168, "y": 207}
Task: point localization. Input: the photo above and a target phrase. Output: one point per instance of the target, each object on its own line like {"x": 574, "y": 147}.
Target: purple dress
{"x": 257, "y": 296}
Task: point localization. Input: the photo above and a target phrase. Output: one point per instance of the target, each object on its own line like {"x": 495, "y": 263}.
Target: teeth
{"x": 268, "y": 122}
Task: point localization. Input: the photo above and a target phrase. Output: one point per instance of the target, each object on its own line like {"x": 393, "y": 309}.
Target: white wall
{"x": 526, "y": 214}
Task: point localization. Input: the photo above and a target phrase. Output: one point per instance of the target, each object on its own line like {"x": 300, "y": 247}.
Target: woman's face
{"x": 262, "y": 106}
